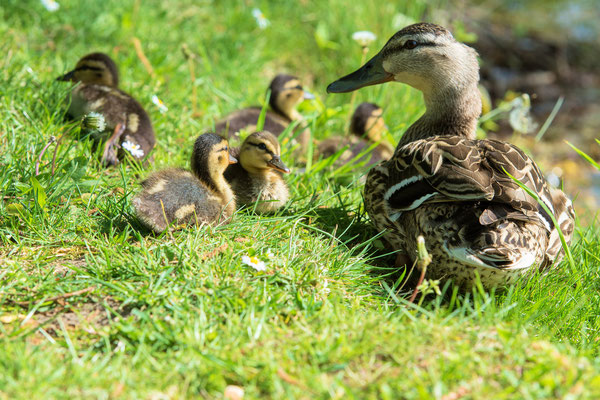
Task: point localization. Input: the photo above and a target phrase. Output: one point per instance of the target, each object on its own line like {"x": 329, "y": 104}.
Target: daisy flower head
{"x": 50, "y": 5}
{"x": 133, "y": 148}
{"x": 159, "y": 103}
{"x": 254, "y": 262}
{"x": 364, "y": 38}
{"x": 260, "y": 18}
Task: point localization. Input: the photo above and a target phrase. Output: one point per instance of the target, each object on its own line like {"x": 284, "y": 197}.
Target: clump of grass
{"x": 93, "y": 305}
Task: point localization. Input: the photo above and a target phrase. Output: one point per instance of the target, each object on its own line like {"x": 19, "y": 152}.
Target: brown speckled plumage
{"x": 179, "y": 197}
{"x": 286, "y": 93}
{"x": 97, "y": 91}
{"x": 364, "y": 133}
{"x": 452, "y": 189}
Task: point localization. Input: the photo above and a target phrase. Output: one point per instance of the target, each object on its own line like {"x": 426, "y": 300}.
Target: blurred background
{"x": 204, "y": 58}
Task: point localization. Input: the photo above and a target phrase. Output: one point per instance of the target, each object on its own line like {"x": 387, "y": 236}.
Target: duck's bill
{"x": 278, "y": 165}
{"x": 372, "y": 73}
{"x": 69, "y": 76}
{"x": 308, "y": 95}
{"x": 232, "y": 159}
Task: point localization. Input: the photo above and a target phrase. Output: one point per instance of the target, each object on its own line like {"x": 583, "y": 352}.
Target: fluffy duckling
{"x": 258, "y": 175}
{"x": 447, "y": 186}
{"x": 366, "y": 128}
{"x": 286, "y": 93}
{"x": 128, "y": 126}
{"x": 202, "y": 196}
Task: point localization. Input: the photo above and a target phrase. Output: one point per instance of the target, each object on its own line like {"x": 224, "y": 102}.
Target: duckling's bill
{"x": 372, "y": 73}
{"x": 278, "y": 165}
{"x": 69, "y": 76}
{"x": 232, "y": 160}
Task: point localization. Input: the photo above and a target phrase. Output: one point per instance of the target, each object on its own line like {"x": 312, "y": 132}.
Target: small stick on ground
{"x": 424, "y": 259}
{"x": 140, "y": 53}
{"x": 57, "y": 298}
{"x": 290, "y": 379}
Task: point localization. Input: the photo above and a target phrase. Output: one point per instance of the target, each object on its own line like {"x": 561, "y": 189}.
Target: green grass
{"x": 180, "y": 316}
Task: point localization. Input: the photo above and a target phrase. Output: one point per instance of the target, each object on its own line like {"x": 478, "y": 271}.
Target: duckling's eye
{"x": 410, "y": 44}
{"x": 262, "y": 146}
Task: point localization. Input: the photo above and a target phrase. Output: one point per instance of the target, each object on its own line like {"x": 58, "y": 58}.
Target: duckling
{"x": 128, "y": 126}
{"x": 445, "y": 185}
{"x": 202, "y": 196}
{"x": 366, "y": 129}
{"x": 286, "y": 93}
{"x": 258, "y": 175}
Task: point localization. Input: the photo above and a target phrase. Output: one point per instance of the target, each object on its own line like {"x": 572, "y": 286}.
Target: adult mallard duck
{"x": 258, "y": 175}
{"x": 178, "y": 196}
{"x": 128, "y": 126}
{"x": 444, "y": 184}
{"x": 366, "y": 128}
{"x": 286, "y": 93}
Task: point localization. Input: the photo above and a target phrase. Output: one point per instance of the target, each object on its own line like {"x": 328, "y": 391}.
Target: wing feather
{"x": 450, "y": 169}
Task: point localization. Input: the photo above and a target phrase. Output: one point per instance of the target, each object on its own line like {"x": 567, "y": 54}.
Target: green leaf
{"x": 322, "y": 37}
{"x": 587, "y": 158}
{"x": 38, "y": 192}
{"x": 15, "y": 209}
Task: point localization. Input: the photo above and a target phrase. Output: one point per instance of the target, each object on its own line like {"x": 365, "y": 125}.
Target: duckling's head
{"x": 286, "y": 93}
{"x": 260, "y": 153}
{"x": 367, "y": 121}
{"x": 210, "y": 158}
{"x": 425, "y": 56}
{"x": 94, "y": 68}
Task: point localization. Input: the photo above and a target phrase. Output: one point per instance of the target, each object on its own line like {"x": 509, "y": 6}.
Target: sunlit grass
{"x": 94, "y": 306}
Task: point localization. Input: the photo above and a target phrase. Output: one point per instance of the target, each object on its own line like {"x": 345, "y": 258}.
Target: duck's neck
{"x": 217, "y": 183}
{"x": 224, "y": 190}
{"x": 450, "y": 111}
{"x": 291, "y": 114}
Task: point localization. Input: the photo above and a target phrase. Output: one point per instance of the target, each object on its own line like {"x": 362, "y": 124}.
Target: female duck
{"x": 366, "y": 129}
{"x": 257, "y": 179}
{"x": 445, "y": 185}
{"x": 189, "y": 198}
{"x": 128, "y": 127}
{"x": 286, "y": 93}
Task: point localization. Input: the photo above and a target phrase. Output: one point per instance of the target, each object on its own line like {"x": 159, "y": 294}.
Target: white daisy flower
{"x": 159, "y": 103}
{"x": 260, "y": 18}
{"x": 50, "y": 5}
{"x": 133, "y": 148}
{"x": 364, "y": 38}
{"x": 254, "y": 262}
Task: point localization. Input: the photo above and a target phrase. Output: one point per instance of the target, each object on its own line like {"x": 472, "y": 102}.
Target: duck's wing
{"x": 450, "y": 169}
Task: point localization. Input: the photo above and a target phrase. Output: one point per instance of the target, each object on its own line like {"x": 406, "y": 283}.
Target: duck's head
{"x": 286, "y": 93}
{"x": 210, "y": 158}
{"x": 425, "y": 56}
{"x": 260, "y": 153}
{"x": 94, "y": 68}
{"x": 367, "y": 121}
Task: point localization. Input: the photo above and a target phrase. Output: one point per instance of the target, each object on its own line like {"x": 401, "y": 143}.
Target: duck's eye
{"x": 410, "y": 44}
{"x": 262, "y": 146}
